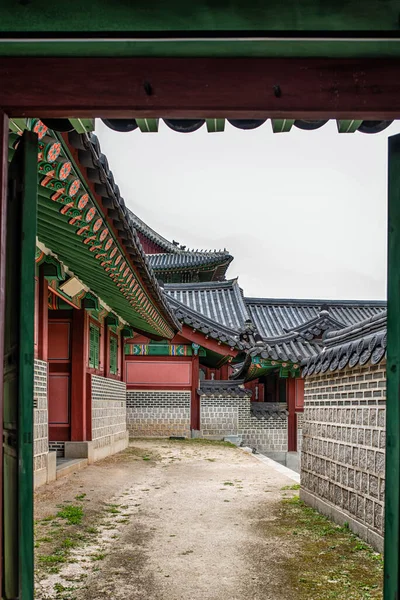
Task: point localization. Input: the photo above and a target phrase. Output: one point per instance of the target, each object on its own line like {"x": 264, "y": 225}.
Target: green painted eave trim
{"x": 178, "y": 18}
{"x": 175, "y": 350}
{"x": 65, "y": 229}
{"x": 261, "y": 366}
{"x": 276, "y": 48}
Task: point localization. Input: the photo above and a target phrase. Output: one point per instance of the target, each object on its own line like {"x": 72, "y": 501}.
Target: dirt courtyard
{"x": 169, "y": 520}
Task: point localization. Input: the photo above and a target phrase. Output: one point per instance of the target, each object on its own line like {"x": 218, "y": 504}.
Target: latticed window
{"x": 113, "y": 355}
{"x": 94, "y": 346}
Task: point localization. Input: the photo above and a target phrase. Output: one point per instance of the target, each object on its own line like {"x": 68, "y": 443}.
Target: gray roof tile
{"x": 188, "y": 260}
{"x": 221, "y": 302}
{"x": 274, "y": 317}
{"x": 354, "y": 345}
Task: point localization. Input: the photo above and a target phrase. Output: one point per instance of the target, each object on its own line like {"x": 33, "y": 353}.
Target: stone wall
{"x": 108, "y": 411}
{"x": 299, "y": 417}
{"x": 40, "y": 418}
{"x": 343, "y": 451}
{"x": 223, "y": 416}
{"x": 158, "y": 413}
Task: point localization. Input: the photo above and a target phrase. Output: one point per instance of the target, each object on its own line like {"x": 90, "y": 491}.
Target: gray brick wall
{"x": 299, "y": 431}
{"x": 222, "y": 416}
{"x": 108, "y": 410}
{"x": 40, "y": 416}
{"x": 158, "y": 413}
{"x": 58, "y": 447}
{"x": 343, "y": 451}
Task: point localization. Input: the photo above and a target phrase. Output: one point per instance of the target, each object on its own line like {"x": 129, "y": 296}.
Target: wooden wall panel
{"x": 59, "y": 391}
{"x": 159, "y": 373}
{"x": 59, "y": 340}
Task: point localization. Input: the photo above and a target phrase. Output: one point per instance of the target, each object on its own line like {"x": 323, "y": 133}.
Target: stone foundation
{"x": 158, "y": 413}
{"x": 343, "y": 450}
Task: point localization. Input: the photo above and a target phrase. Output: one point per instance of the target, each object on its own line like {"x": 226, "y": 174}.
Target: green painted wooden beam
{"x": 112, "y": 320}
{"x": 82, "y": 125}
{"x": 148, "y": 125}
{"x": 392, "y": 487}
{"x": 178, "y": 19}
{"x": 215, "y": 125}
{"x": 282, "y": 125}
{"x": 52, "y": 268}
{"x": 348, "y": 126}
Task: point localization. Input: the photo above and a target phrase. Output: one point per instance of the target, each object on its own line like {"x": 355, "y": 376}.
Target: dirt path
{"x": 188, "y": 520}
{"x": 181, "y": 521}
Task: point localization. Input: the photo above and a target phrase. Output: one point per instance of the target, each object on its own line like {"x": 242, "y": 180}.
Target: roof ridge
{"x": 361, "y": 328}
{"x": 314, "y": 302}
{"x": 201, "y": 284}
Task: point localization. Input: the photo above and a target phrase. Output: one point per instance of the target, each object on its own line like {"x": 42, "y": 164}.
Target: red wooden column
{"x": 3, "y": 227}
{"x": 195, "y": 398}
{"x": 292, "y": 422}
{"x": 43, "y": 317}
{"x": 80, "y": 325}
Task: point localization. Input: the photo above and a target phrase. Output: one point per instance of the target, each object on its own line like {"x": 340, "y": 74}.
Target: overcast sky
{"x": 303, "y": 213}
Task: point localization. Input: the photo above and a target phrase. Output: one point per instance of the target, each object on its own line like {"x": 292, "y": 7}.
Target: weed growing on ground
{"x": 329, "y": 562}
{"x": 295, "y": 486}
{"x": 72, "y": 514}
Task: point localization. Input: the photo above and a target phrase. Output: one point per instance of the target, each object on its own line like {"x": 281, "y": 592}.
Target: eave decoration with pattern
{"x": 163, "y": 350}
{"x": 71, "y": 224}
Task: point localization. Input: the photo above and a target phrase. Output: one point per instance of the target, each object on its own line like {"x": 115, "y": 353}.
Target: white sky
{"x": 303, "y": 213}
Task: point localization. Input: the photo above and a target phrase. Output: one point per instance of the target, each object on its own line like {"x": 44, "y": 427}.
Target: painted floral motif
{"x": 40, "y": 128}
{"x": 52, "y": 151}
{"x": 103, "y": 235}
{"x": 83, "y": 200}
{"x": 63, "y": 170}
{"x": 108, "y": 245}
{"x": 98, "y": 223}
{"x": 90, "y": 214}
{"x": 73, "y": 187}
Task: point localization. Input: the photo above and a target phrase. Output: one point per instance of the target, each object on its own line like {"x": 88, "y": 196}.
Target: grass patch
{"x": 72, "y": 514}
{"x": 295, "y": 486}
{"x": 329, "y": 562}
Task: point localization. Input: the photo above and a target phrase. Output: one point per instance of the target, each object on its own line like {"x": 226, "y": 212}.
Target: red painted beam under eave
{"x": 78, "y": 375}
{"x": 292, "y": 418}
{"x": 208, "y": 344}
{"x": 241, "y": 88}
{"x": 3, "y": 227}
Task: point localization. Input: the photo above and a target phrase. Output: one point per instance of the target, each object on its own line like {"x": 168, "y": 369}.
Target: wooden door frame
{"x": 241, "y": 88}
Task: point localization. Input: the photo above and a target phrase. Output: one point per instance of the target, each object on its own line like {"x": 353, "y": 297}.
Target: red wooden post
{"x": 78, "y": 383}
{"x": 43, "y": 317}
{"x": 195, "y": 399}
{"x": 3, "y": 227}
{"x": 292, "y": 425}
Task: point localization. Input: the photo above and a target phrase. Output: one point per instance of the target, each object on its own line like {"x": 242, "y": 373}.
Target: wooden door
{"x": 18, "y": 372}
{"x": 59, "y": 391}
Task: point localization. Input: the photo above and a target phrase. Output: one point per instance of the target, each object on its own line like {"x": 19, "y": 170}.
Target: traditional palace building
{"x": 136, "y": 335}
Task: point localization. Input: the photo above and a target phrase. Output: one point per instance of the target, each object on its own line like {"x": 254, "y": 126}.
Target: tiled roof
{"x": 99, "y": 173}
{"x": 188, "y": 260}
{"x": 211, "y": 388}
{"x": 268, "y": 410}
{"x": 355, "y": 345}
{"x": 199, "y": 322}
{"x": 274, "y": 317}
{"x": 151, "y": 234}
{"x": 289, "y": 348}
{"x": 191, "y": 125}
{"x": 221, "y": 302}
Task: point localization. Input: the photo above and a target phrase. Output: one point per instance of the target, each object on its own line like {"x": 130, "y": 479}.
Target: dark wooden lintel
{"x": 201, "y": 87}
